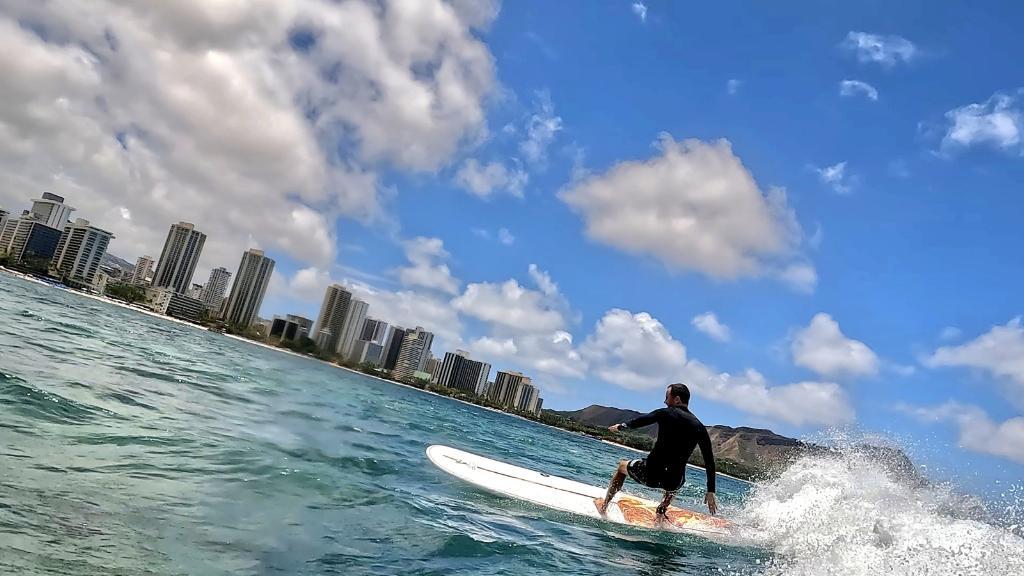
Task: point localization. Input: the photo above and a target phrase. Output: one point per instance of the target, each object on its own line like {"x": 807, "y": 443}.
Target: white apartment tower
{"x": 413, "y": 353}
{"x": 352, "y": 327}
{"x": 80, "y": 250}
{"x": 179, "y": 257}
{"x": 250, "y": 286}
{"x": 143, "y": 270}
{"x": 213, "y": 292}
{"x": 331, "y": 320}
{"x": 50, "y": 210}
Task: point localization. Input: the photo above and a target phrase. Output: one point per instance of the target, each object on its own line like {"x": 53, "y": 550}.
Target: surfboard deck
{"x": 568, "y": 495}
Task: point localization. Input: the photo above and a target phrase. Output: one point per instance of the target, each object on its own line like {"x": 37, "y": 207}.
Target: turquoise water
{"x": 134, "y": 445}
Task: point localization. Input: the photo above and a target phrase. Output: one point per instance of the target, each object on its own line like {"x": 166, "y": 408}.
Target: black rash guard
{"x": 679, "y": 431}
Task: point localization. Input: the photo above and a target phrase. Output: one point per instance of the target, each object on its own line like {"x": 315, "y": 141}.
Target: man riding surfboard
{"x": 679, "y": 432}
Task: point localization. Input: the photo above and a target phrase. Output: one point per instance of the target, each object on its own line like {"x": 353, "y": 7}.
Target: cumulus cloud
{"x": 997, "y": 122}
{"x": 978, "y": 432}
{"x": 229, "y": 114}
{"x": 851, "y": 88}
{"x": 526, "y": 328}
{"x": 823, "y": 348}
{"x": 709, "y": 324}
{"x": 483, "y": 180}
{"x": 426, "y": 266}
{"x": 510, "y": 306}
{"x": 543, "y": 281}
{"x": 801, "y": 403}
{"x": 635, "y": 351}
{"x": 552, "y": 354}
{"x": 800, "y": 276}
{"x": 880, "y": 49}
{"x": 1000, "y": 352}
{"x": 836, "y": 177}
{"x": 733, "y": 86}
{"x": 411, "y": 308}
{"x": 693, "y": 206}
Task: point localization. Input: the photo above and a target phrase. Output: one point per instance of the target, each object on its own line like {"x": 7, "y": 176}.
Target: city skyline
{"x": 807, "y": 213}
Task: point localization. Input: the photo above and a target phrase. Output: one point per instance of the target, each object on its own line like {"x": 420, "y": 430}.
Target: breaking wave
{"x": 850, "y": 513}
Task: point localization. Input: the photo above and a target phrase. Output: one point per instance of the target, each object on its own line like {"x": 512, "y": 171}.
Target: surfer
{"x": 679, "y": 432}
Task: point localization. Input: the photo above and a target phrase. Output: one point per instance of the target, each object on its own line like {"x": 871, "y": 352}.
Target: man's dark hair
{"x": 680, "y": 391}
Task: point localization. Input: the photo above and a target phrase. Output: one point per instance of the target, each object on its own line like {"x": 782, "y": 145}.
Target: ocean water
{"x": 133, "y": 445}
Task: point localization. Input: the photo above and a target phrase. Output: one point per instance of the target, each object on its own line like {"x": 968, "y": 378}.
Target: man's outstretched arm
{"x": 638, "y": 422}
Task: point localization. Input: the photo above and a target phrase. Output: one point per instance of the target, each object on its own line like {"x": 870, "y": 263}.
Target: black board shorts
{"x": 639, "y": 471}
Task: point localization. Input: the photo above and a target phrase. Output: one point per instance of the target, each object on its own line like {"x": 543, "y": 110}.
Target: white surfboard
{"x": 568, "y": 495}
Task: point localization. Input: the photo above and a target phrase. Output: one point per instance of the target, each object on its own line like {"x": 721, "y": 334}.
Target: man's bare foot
{"x": 602, "y": 506}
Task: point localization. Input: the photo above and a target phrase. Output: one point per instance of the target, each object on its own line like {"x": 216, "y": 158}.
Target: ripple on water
{"x": 31, "y": 402}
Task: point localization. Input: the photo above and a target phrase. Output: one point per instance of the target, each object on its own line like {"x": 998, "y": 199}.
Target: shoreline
{"x": 121, "y": 304}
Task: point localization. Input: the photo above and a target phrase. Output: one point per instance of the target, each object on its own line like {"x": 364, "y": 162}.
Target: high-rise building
{"x": 33, "y": 237}
{"x": 143, "y": 271}
{"x": 290, "y": 328}
{"x": 413, "y": 353}
{"x": 213, "y": 292}
{"x": 458, "y": 371}
{"x": 51, "y": 211}
{"x": 526, "y": 397}
{"x": 25, "y": 240}
{"x": 4, "y": 214}
{"x": 392, "y": 347}
{"x": 79, "y": 252}
{"x": 507, "y": 388}
{"x": 375, "y": 331}
{"x": 331, "y": 320}
{"x": 352, "y": 327}
{"x": 179, "y": 257}
{"x": 250, "y": 286}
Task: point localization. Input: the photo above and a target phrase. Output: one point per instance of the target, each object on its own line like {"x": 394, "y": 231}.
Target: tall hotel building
{"x": 80, "y": 251}
{"x": 250, "y": 286}
{"x": 212, "y": 294}
{"x": 413, "y": 353}
{"x": 178, "y": 259}
{"x": 329, "y": 323}
{"x": 459, "y": 372}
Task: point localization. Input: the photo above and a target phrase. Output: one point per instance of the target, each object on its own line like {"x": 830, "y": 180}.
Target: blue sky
{"x": 808, "y": 211}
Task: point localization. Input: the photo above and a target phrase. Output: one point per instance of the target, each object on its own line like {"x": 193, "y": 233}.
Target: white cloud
{"x": 506, "y": 237}
{"x": 709, "y": 324}
{"x": 541, "y": 129}
{"x": 510, "y": 306}
{"x": 1000, "y": 352}
{"x": 800, "y": 403}
{"x": 484, "y": 180}
{"x": 426, "y": 266}
{"x": 823, "y": 348}
{"x": 640, "y": 9}
{"x": 635, "y": 351}
{"x": 551, "y": 354}
{"x": 733, "y": 86}
{"x": 411, "y": 308}
{"x": 543, "y": 281}
{"x": 996, "y": 122}
{"x": 800, "y": 276}
{"x": 835, "y": 176}
{"x": 978, "y": 432}
{"x": 309, "y": 284}
{"x": 950, "y": 333}
{"x": 885, "y": 50}
{"x": 199, "y": 111}
{"x": 850, "y": 88}
{"x": 693, "y": 206}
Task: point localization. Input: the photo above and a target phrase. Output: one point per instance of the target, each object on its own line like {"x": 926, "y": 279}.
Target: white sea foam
{"x": 848, "y": 514}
